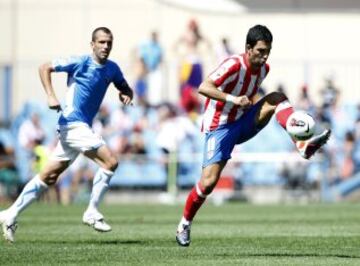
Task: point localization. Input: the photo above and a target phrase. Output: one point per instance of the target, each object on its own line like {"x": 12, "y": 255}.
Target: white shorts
{"x": 74, "y": 139}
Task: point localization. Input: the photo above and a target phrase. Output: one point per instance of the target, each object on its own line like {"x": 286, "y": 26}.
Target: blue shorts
{"x": 220, "y": 143}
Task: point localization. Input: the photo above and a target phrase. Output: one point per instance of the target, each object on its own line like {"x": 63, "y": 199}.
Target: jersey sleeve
{"x": 67, "y": 64}
{"x": 118, "y": 78}
{"x": 227, "y": 68}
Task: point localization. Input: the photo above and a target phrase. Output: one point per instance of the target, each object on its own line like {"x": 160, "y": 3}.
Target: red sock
{"x": 194, "y": 202}
{"x": 282, "y": 112}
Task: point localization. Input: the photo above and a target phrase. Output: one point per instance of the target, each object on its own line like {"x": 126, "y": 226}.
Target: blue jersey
{"x": 87, "y": 84}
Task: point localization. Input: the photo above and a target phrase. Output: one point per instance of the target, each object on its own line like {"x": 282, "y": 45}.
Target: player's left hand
{"x": 125, "y": 99}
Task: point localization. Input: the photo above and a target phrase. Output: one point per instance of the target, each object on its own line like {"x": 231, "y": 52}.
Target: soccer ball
{"x": 300, "y": 125}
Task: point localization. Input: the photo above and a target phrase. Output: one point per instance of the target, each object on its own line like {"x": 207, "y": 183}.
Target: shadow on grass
{"x": 291, "y": 255}
{"x": 91, "y": 241}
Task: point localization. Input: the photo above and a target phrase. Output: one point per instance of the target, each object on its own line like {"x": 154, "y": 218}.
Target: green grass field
{"x": 231, "y": 234}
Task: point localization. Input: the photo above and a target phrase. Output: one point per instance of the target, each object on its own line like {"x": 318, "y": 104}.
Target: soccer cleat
{"x": 96, "y": 221}
{"x": 183, "y": 236}
{"x": 308, "y": 147}
{"x": 9, "y": 226}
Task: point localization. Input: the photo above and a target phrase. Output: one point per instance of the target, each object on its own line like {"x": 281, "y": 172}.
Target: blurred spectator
{"x": 189, "y": 48}
{"x": 281, "y": 88}
{"x": 76, "y": 182}
{"x": 151, "y": 52}
{"x": 149, "y": 80}
{"x": 323, "y": 117}
{"x": 121, "y": 124}
{"x": 101, "y": 124}
{"x": 9, "y": 178}
{"x": 340, "y": 118}
{"x": 173, "y": 131}
{"x": 329, "y": 93}
{"x": 348, "y": 168}
{"x": 136, "y": 148}
{"x": 343, "y": 159}
{"x": 140, "y": 83}
{"x": 223, "y": 50}
{"x": 304, "y": 101}
{"x": 31, "y": 132}
{"x": 295, "y": 179}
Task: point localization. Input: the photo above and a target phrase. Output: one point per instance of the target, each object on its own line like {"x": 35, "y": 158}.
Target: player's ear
{"x": 247, "y": 47}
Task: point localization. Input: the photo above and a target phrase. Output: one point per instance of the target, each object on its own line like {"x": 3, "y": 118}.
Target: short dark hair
{"x": 258, "y": 33}
{"x": 104, "y": 29}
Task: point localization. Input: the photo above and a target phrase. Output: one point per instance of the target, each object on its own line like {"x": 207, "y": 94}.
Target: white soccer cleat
{"x": 96, "y": 221}
{"x": 183, "y": 235}
{"x": 8, "y": 225}
{"x": 309, "y": 147}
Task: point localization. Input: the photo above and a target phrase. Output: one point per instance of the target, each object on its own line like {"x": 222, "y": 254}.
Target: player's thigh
{"x": 249, "y": 125}
{"x": 82, "y": 138}
{"x": 219, "y": 145}
{"x": 59, "y": 160}
{"x": 103, "y": 157}
{"x": 267, "y": 106}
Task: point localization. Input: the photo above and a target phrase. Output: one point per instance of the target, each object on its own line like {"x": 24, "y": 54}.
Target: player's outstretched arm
{"x": 45, "y": 77}
{"x": 209, "y": 89}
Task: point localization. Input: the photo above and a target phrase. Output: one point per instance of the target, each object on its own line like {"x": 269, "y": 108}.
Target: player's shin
{"x": 32, "y": 191}
{"x": 282, "y": 112}
{"x": 194, "y": 201}
{"x": 100, "y": 186}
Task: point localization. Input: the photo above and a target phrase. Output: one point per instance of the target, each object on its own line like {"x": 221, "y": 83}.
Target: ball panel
{"x": 300, "y": 125}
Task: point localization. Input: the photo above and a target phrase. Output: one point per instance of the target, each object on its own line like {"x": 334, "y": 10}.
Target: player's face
{"x": 102, "y": 46}
{"x": 258, "y": 54}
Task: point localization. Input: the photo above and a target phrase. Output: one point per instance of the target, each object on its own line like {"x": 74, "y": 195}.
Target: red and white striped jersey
{"x": 235, "y": 77}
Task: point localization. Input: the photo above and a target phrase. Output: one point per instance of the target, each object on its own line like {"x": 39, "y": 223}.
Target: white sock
{"x": 100, "y": 186}
{"x": 183, "y": 222}
{"x": 32, "y": 191}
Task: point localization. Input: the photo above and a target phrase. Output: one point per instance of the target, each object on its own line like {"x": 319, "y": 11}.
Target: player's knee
{"x": 49, "y": 179}
{"x": 274, "y": 98}
{"x": 112, "y": 164}
{"x": 208, "y": 183}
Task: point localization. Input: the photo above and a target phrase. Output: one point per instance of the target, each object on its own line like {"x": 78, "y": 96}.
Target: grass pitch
{"x": 231, "y": 234}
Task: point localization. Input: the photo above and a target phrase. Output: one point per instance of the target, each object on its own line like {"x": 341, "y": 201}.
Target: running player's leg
{"x": 108, "y": 164}
{"x": 60, "y": 159}
{"x": 217, "y": 151}
{"x": 32, "y": 191}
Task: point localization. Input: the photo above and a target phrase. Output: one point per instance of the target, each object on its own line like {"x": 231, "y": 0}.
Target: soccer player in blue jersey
{"x": 88, "y": 79}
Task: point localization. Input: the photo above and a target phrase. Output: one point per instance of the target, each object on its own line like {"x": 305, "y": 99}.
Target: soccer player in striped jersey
{"x": 88, "y": 79}
{"x": 234, "y": 113}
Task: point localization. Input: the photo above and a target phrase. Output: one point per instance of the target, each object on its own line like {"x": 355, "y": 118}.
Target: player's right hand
{"x": 243, "y": 101}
